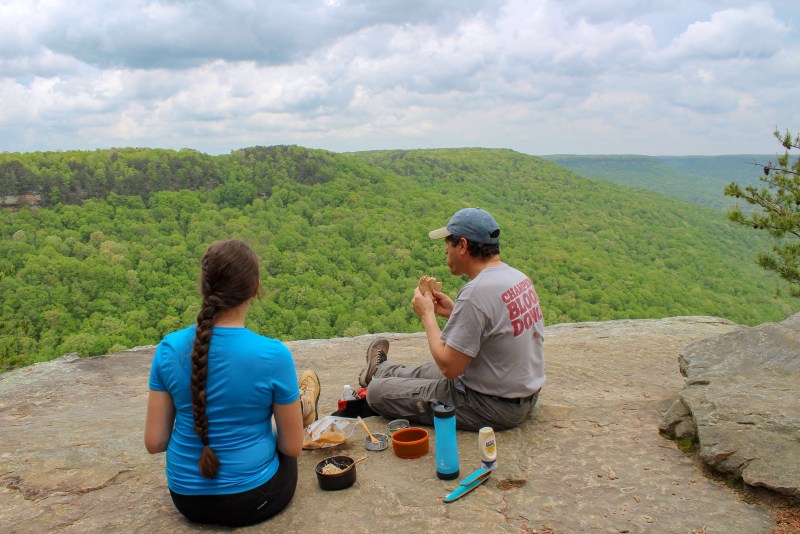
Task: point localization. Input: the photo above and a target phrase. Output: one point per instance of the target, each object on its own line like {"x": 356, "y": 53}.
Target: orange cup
{"x": 410, "y": 442}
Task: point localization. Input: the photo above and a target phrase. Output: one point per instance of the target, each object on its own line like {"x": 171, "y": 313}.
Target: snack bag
{"x": 329, "y": 431}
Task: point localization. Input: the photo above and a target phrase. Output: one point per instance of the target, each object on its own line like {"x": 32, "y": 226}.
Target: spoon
{"x": 349, "y": 467}
{"x": 371, "y": 437}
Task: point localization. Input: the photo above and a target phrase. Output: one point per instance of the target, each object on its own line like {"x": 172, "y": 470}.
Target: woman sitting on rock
{"x": 214, "y": 389}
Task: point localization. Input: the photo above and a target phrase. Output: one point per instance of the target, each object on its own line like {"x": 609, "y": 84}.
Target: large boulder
{"x": 741, "y": 403}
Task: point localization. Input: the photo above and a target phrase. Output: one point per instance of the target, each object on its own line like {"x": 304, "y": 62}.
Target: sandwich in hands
{"x": 429, "y": 283}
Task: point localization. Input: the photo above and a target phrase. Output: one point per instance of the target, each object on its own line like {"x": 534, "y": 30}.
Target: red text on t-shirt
{"x": 522, "y": 304}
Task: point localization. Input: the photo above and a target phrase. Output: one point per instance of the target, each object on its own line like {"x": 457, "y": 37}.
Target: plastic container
{"x": 410, "y": 442}
{"x": 487, "y": 447}
{"x": 383, "y": 442}
{"x": 348, "y": 394}
{"x": 397, "y": 424}
{"x": 444, "y": 423}
{"x": 337, "y": 481}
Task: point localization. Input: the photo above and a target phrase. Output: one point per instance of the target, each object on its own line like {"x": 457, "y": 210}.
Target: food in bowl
{"x": 331, "y": 469}
{"x": 336, "y": 473}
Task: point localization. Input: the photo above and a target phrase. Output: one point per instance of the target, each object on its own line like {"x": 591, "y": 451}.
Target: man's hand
{"x": 450, "y": 361}
{"x": 422, "y": 303}
{"x": 442, "y": 304}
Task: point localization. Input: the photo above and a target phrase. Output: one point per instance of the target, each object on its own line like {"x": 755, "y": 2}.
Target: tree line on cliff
{"x": 111, "y": 260}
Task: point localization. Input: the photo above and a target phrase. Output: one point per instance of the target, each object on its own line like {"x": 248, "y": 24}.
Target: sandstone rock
{"x": 741, "y": 391}
{"x": 678, "y": 422}
{"x": 590, "y": 459}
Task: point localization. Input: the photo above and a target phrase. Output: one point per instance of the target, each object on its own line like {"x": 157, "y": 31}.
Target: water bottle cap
{"x": 444, "y": 411}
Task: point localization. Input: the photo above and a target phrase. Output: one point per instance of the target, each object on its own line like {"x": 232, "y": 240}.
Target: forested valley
{"x": 698, "y": 179}
{"x": 108, "y": 258}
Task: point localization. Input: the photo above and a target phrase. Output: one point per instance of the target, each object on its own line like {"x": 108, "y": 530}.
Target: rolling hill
{"x": 698, "y": 179}
{"x": 343, "y": 239}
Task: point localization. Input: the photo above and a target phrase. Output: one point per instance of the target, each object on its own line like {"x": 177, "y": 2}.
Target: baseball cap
{"x": 475, "y": 224}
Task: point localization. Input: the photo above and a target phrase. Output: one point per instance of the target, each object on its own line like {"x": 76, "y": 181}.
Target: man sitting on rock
{"x": 488, "y": 361}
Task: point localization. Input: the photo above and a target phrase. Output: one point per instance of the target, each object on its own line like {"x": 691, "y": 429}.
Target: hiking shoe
{"x": 309, "y": 396}
{"x": 376, "y": 355}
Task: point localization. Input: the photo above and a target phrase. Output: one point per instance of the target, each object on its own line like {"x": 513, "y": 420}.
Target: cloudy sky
{"x": 538, "y": 76}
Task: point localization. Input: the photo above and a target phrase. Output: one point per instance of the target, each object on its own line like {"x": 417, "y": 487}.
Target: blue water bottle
{"x": 444, "y": 422}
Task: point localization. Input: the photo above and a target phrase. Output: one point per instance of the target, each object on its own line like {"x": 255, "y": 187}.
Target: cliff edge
{"x": 590, "y": 458}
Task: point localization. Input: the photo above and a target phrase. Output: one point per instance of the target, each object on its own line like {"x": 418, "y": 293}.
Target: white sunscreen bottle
{"x": 487, "y": 448}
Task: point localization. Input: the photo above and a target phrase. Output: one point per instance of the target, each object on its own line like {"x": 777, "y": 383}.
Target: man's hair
{"x": 483, "y": 251}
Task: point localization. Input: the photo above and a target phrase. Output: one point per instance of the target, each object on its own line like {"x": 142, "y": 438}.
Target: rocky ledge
{"x": 589, "y": 459}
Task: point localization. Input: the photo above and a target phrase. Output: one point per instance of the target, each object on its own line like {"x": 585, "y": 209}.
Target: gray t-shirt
{"x": 498, "y": 322}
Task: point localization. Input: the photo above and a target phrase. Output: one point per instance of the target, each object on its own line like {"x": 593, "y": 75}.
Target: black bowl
{"x": 336, "y": 481}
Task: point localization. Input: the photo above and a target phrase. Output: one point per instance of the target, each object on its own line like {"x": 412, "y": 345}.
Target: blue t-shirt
{"x": 247, "y": 373}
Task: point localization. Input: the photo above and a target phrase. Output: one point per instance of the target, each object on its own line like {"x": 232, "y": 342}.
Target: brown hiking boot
{"x": 376, "y": 355}
{"x": 309, "y": 396}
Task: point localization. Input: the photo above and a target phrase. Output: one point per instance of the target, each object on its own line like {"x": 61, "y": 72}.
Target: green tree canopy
{"x": 342, "y": 240}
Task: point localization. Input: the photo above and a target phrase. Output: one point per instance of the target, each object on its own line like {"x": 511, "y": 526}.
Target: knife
{"x": 475, "y": 479}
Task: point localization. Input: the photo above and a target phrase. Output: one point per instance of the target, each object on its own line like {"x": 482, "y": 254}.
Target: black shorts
{"x": 246, "y": 508}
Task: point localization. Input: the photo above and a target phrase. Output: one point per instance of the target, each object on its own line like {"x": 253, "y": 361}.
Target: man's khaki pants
{"x": 401, "y": 392}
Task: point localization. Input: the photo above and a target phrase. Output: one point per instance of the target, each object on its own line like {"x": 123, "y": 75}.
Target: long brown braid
{"x": 228, "y": 277}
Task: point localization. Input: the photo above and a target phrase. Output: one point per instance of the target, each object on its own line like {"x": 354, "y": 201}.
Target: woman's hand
{"x": 289, "y": 426}
{"x": 159, "y": 422}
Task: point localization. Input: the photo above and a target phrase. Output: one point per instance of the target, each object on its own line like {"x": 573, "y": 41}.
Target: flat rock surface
{"x": 589, "y": 459}
{"x": 742, "y": 392}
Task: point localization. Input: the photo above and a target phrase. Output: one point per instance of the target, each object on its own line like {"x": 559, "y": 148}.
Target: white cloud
{"x": 733, "y": 33}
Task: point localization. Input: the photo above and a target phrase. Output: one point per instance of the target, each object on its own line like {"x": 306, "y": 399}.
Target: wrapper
{"x": 330, "y": 431}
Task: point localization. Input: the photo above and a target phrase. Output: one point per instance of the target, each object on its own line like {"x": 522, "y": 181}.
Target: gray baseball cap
{"x": 477, "y": 225}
